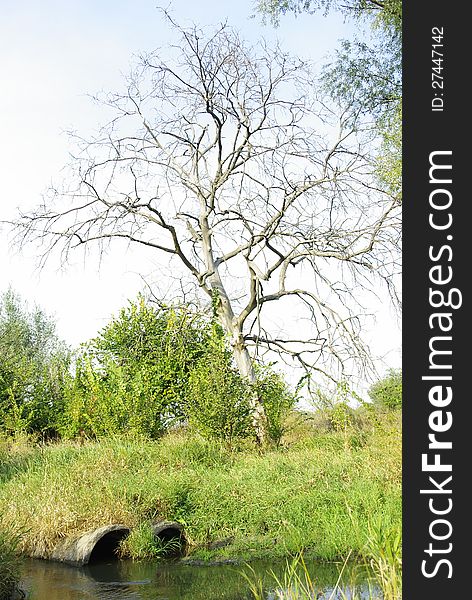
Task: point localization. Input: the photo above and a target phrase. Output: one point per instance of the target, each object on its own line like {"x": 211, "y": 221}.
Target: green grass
{"x": 9, "y": 565}
{"x": 316, "y": 493}
{"x": 142, "y": 544}
{"x": 297, "y": 583}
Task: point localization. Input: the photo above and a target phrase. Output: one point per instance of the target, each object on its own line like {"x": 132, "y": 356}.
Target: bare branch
{"x": 224, "y": 158}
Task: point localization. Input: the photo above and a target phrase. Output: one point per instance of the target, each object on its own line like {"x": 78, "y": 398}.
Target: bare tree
{"x": 222, "y": 160}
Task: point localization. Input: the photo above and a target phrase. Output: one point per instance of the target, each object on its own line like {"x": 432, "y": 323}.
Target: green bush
{"x": 165, "y": 342}
{"x": 34, "y": 366}
{"x": 218, "y": 403}
{"x": 387, "y": 392}
{"x": 218, "y": 398}
{"x": 151, "y": 367}
{"x": 277, "y": 400}
{"x": 134, "y": 376}
{"x": 109, "y": 401}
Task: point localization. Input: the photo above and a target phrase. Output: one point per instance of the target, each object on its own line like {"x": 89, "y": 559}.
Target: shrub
{"x": 218, "y": 398}
{"x": 277, "y": 400}
{"x": 165, "y": 342}
{"x": 110, "y": 400}
{"x": 34, "y": 367}
{"x": 387, "y": 392}
{"x": 133, "y": 377}
{"x": 150, "y": 367}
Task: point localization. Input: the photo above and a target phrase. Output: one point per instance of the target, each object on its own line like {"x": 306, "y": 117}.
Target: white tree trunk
{"x": 242, "y": 358}
{"x": 246, "y": 370}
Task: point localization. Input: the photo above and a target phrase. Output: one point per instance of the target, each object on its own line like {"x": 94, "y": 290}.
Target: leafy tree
{"x": 390, "y": 157}
{"x": 222, "y": 160}
{"x": 164, "y": 342}
{"x": 387, "y": 392}
{"x": 388, "y": 13}
{"x": 33, "y": 368}
{"x": 367, "y": 74}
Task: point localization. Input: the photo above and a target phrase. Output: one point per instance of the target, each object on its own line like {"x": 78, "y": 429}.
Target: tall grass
{"x": 296, "y": 583}
{"x": 9, "y": 565}
{"x": 142, "y": 544}
{"x": 383, "y": 550}
{"x": 316, "y": 493}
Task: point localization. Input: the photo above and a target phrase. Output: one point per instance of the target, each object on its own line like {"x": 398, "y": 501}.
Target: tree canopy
{"x": 366, "y": 71}
{"x": 386, "y": 13}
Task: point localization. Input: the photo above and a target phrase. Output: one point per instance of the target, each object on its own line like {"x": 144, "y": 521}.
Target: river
{"x": 128, "y": 580}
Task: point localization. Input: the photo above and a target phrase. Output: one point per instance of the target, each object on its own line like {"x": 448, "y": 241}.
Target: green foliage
{"x": 218, "y": 398}
{"x": 312, "y": 495}
{"x": 389, "y": 163}
{"x": 295, "y": 584}
{"x": 386, "y": 14}
{"x": 112, "y": 400}
{"x": 387, "y": 392}
{"x": 383, "y": 550}
{"x": 391, "y": 15}
{"x": 33, "y": 368}
{"x": 277, "y": 399}
{"x": 142, "y": 544}
{"x": 133, "y": 377}
{"x": 341, "y": 416}
{"x": 218, "y": 403}
{"x": 9, "y": 565}
{"x": 164, "y": 342}
{"x": 151, "y": 367}
{"x": 365, "y": 76}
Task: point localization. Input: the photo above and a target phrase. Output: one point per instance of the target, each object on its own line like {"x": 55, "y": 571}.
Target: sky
{"x": 55, "y": 53}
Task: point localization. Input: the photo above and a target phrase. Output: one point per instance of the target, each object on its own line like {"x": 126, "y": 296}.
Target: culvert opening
{"x": 107, "y": 546}
{"x": 171, "y": 539}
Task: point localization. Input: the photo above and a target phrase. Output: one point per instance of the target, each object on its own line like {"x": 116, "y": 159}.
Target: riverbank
{"x": 324, "y": 491}
{"x": 9, "y": 566}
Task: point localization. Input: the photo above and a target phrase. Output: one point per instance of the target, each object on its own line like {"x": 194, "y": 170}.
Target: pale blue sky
{"x": 54, "y": 52}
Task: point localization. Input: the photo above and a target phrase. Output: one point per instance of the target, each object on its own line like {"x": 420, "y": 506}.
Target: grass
{"x": 142, "y": 544}
{"x": 296, "y": 583}
{"x": 384, "y": 555}
{"x": 9, "y": 565}
{"x": 318, "y": 493}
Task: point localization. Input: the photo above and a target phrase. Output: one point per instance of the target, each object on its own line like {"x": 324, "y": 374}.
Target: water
{"x": 127, "y": 580}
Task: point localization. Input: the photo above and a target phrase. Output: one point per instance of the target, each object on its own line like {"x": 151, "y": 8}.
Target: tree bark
{"x": 246, "y": 370}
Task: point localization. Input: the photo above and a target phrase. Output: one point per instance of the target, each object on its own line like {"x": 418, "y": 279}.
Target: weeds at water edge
{"x": 9, "y": 565}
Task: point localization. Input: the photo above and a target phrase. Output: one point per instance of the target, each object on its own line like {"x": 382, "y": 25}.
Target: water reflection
{"x": 127, "y": 580}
